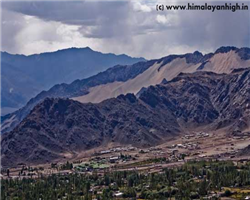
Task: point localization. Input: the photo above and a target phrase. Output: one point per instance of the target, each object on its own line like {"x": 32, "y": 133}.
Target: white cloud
{"x": 162, "y": 19}
{"x": 131, "y": 27}
{"x": 138, "y": 6}
{"x": 169, "y": 20}
{"x": 37, "y": 36}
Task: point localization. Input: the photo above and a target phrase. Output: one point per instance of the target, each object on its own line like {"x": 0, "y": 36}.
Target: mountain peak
{"x": 225, "y": 49}
{"x": 244, "y": 53}
{"x": 128, "y": 97}
{"x": 197, "y": 53}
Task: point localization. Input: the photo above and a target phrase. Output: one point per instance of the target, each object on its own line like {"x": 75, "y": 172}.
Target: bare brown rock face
{"x": 123, "y": 79}
{"x": 59, "y": 127}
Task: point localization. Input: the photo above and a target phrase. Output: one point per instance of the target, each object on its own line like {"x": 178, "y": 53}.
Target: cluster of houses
{"x": 117, "y": 149}
{"x": 189, "y": 146}
{"x": 196, "y": 135}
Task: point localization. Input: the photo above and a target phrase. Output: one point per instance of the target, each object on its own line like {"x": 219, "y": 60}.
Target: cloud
{"x": 162, "y": 19}
{"x": 131, "y": 27}
{"x": 138, "y": 6}
{"x": 30, "y": 35}
{"x": 11, "y": 24}
{"x": 169, "y": 20}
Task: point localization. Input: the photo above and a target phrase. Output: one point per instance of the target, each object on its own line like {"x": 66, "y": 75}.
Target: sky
{"x": 134, "y": 28}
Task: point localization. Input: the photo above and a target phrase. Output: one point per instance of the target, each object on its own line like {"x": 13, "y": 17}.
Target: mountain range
{"x": 61, "y": 128}
{"x": 135, "y": 78}
{"x": 23, "y": 77}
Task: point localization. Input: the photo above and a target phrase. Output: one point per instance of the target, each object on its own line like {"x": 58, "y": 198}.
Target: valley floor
{"x": 190, "y": 159}
{"x": 190, "y": 180}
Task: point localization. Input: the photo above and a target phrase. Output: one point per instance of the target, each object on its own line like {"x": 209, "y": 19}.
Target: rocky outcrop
{"x": 224, "y": 60}
{"x": 61, "y": 128}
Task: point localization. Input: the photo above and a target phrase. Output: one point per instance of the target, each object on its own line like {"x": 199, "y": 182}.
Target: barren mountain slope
{"x": 42, "y": 71}
{"x": 61, "y": 128}
{"x": 132, "y": 78}
{"x": 153, "y": 76}
{"x": 225, "y": 60}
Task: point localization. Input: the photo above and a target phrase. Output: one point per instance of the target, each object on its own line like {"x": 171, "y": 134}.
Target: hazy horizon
{"x": 204, "y": 53}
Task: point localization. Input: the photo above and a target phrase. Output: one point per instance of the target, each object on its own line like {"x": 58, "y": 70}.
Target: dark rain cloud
{"x": 132, "y": 28}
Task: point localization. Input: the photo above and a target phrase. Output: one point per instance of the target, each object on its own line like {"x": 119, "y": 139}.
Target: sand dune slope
{"x": 152, "y": 76}
{"x": 225, "y": 62}
{"x": 219, "y": 63}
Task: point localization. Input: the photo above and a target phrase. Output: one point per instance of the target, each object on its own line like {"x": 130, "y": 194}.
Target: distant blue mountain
{"x": 25, "y": 76}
